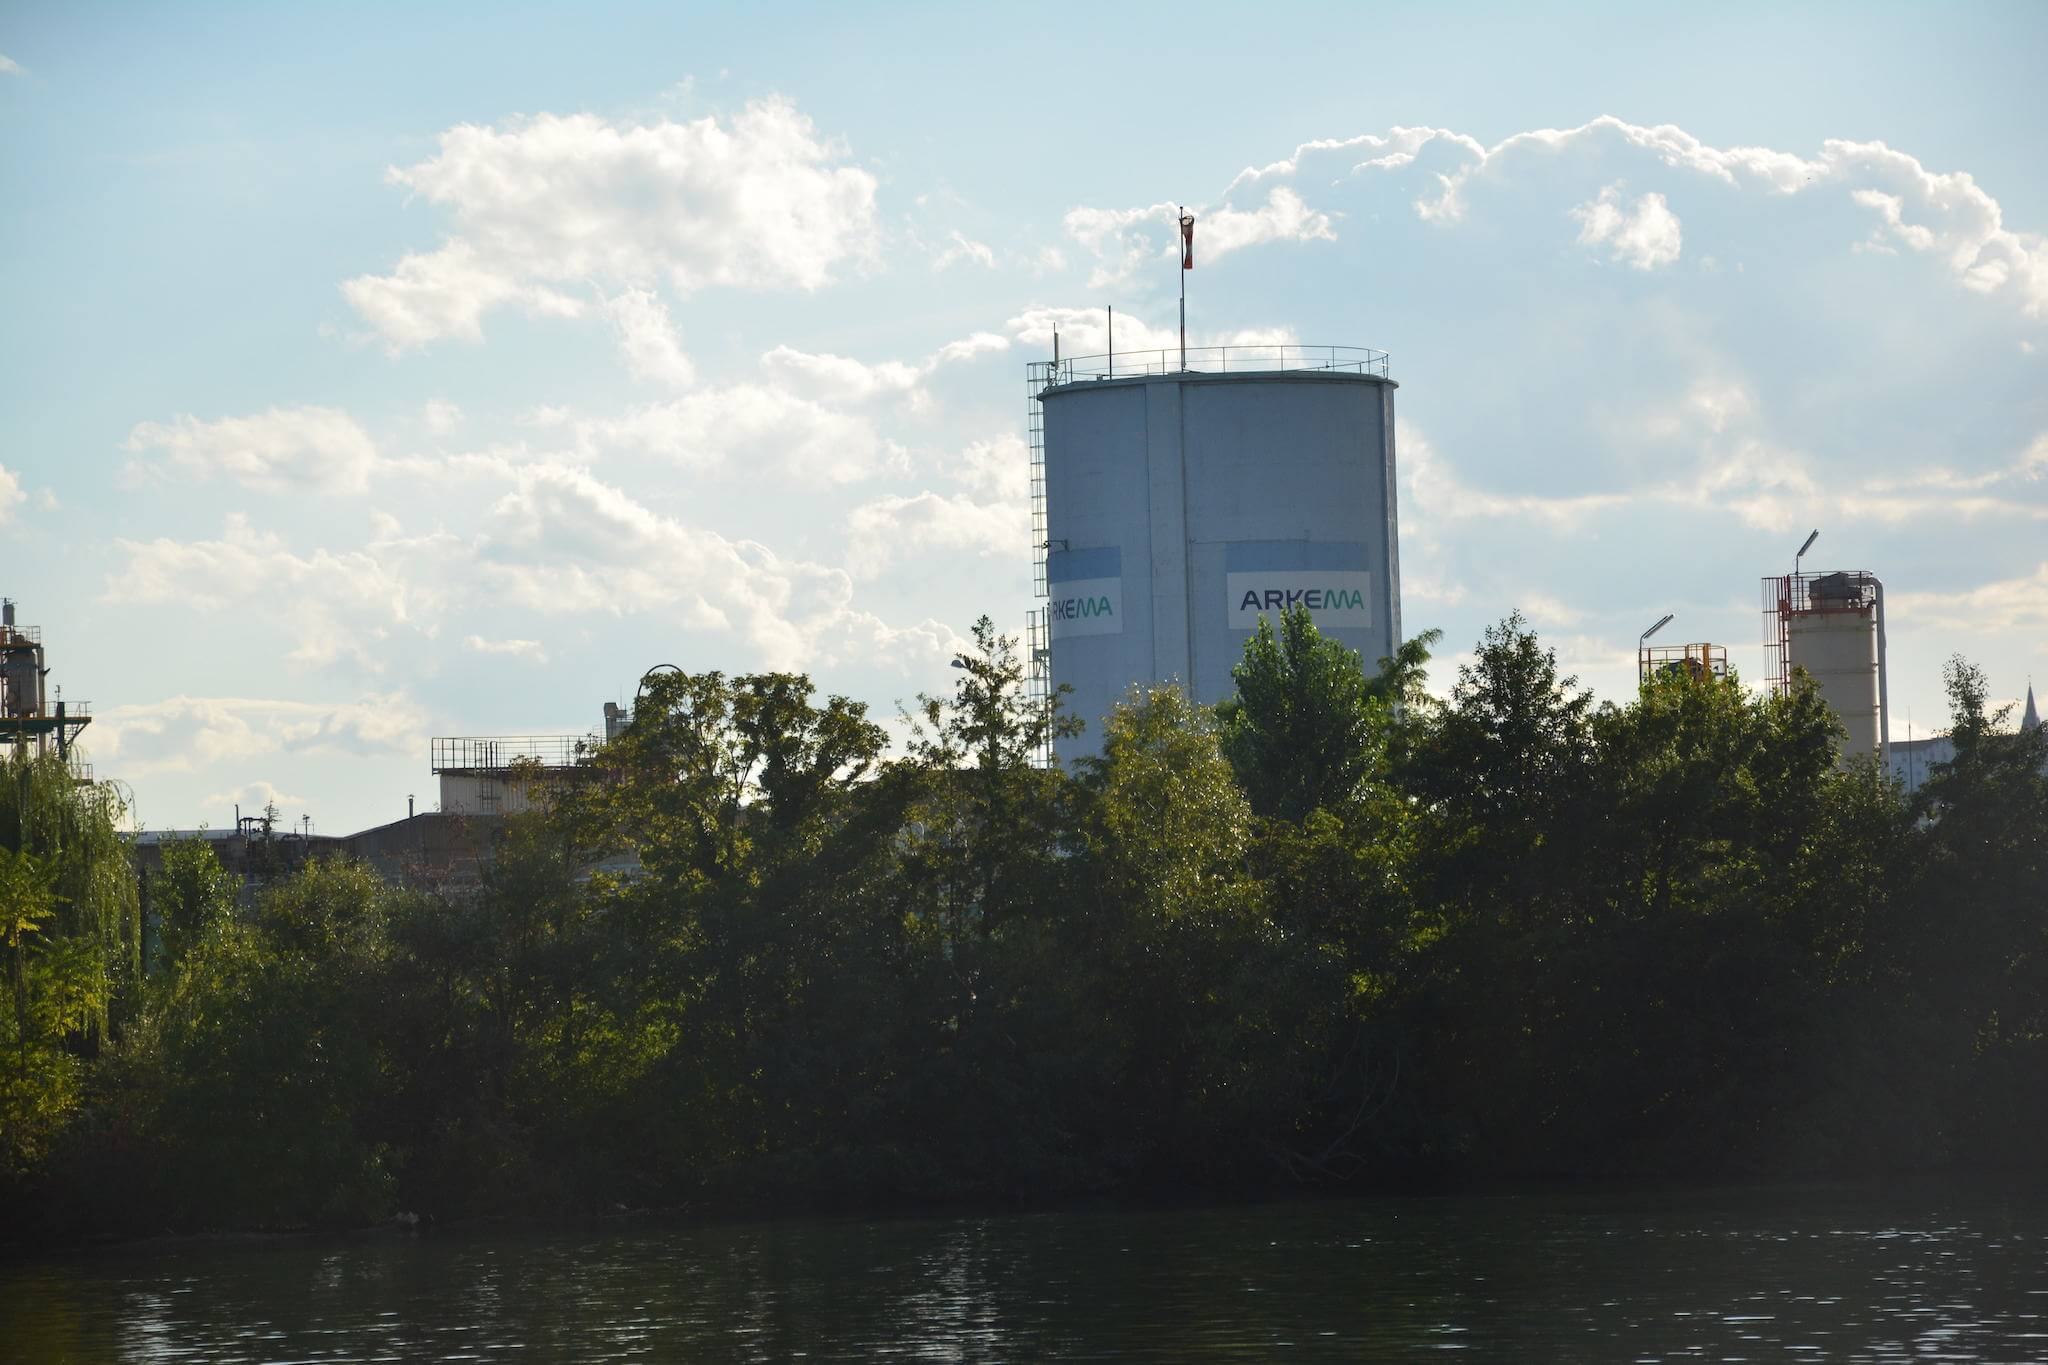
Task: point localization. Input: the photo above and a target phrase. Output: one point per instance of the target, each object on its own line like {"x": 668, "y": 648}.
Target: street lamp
{"x": 1802, "y": 552}
{"x": 1642, "y": 653}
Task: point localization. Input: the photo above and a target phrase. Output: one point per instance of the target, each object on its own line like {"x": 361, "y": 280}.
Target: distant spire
{"x": 2031, "y": 720}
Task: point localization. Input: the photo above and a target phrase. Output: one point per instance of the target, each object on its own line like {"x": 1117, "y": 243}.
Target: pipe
{"x": 1884, "y": 718}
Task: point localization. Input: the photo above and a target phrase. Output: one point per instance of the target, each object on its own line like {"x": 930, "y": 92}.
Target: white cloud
{"x": 539, "y": 204}
{"x": 1085, "y": 331}
{"x": 564, "y": 542}
{"x": 442, "y": 416}
{"x": 1943, "y": 213}
{"x": 753, "y": 427}
{"x": 183, "y": 733}
{"x": 524, "y": 649}
{"x": 999, "y": 468}
{"x": 252, "y": 797}
{"x": 1646, "y": 235}
{"x": 289, "y": 449}
{"x": 8, "y": 66}
{"x": 2009, "y": 607}
{"x": 558, "y": 541}
{"x": 962, "y": 248}
{"x": 1433, "y": 494}
{"x": 1282, "y": 218}
{"x": 647, "y": 338}
{"x": 967, "y": 348}
{"x": 885, "y": 529}
{"x": 333, "y": 605}
{"x": 11, "y": 494}
{"x": 838, "y": 377}
{"x": 1122, "y": 240}
{"x": 841, "y": 378}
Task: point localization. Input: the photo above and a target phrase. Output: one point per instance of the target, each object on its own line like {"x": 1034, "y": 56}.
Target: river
{"x": 1805, "y": 1274}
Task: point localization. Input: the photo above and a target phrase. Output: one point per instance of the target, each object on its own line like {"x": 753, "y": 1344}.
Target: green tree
{"x": 1307, "y": 724}
{"x": 275, "y": 1059}
{"x": 189, "y": 897}
{"x": 70, "y": 937}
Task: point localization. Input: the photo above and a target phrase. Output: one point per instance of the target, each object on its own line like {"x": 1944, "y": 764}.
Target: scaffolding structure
{"x": 29, "y": 715}
{"x": 1787, "y": 597}
{"x": 1698, "y": 662}
{"x": 1830, "y": 626}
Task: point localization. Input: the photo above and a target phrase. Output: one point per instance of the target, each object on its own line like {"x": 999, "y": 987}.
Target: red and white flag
{"x": 1187, "y": 241}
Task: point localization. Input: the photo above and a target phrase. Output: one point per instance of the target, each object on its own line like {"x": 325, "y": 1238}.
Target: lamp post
{"x": 1802, "y": 552}
{"x": 1642, "y": 664}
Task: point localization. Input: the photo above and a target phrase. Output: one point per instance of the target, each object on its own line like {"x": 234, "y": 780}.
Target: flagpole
{"x": 1182, "y": 224}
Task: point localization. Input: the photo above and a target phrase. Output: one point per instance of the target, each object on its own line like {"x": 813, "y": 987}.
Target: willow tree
{"x": 70, "y": 938}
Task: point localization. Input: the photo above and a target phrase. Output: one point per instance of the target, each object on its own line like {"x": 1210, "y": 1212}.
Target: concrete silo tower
{"x": 1176, "y": 501}
{"x": 1831, "y": 626}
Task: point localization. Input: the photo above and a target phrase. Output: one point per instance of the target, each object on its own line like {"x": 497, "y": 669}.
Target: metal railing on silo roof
{"x": 1212, "y": 360}
{"x": 490, "y": 753}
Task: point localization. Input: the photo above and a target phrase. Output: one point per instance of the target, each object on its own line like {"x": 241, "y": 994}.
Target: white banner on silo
{"x": 1086, "y": 606}
{"x": 1335, "y": 598}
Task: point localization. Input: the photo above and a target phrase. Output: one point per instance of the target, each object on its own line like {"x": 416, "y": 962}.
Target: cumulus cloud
{"x": 8, "y": 66}
{"x": 1945, "y": 214}
{"x": 838, "y": 376}
{"x": 551, "y": 202}
{"x": 753, "y": 427}
{"x": 647, "y": 338}
{"x": 182, "y": 733}
{"x": 1122, "y": 240}
{"x": 885, "y": 529}
{"x": 301, "y": 449}
{"x": 333, "y": 605}
{"x": 1085, "y": 331}
{"x": 441, "y": 416}
{"x": 11, "y": 494}
{"x": 563, "y": 541}
{"x": 523, "y": 649}
{"x": 2007, "y": 607}
{"x": 254, "y": 796}
{"x": 1433, "y": 494}
{"x": 1644, "y": 235}
{"x": 841, "y": 378}
{"x": 556, "y": 541}
{"x": 999, "y": 468}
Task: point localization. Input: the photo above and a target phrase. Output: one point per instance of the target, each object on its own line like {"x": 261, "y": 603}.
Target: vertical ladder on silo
{"x": 1037, "y": 643}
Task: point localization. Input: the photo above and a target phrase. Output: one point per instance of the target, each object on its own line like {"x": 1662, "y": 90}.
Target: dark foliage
{"x": 1339, "y": 932}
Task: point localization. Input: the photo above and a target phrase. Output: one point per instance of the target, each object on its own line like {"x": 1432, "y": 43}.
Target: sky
{"x": 376, "y": 372}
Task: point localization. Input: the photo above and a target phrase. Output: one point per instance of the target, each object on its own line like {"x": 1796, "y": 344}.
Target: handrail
{"x": 1213, "y": 360}
{"x": 493, "y": 752}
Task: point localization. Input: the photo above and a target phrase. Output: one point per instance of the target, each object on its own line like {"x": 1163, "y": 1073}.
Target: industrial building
{"x": 33, "y": 715}
{"x": 1831, "y": 625}
{"x": 1180, "y": 497}
{"x": 1913, "y": 761}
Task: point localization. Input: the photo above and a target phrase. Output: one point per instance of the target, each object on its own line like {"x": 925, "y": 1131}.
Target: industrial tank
{"x": 1831, "y": 626}
{"x": 1180, "y": 505}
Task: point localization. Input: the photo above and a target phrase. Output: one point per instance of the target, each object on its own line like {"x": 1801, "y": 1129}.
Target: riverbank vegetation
{"x": 1335, "y": 933}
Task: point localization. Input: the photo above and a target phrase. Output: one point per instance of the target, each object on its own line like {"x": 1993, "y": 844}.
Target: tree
{"x": 70, "y": 935}
{"x": 1307, "y": 724}
{"x": 190, "y": 895}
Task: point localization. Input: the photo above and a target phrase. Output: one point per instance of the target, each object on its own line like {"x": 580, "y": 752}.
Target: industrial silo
{"x": 1831, "y": 626}
{"x": 1176, "y": 502}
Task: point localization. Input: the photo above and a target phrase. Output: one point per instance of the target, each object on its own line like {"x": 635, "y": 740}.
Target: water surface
{"x": 1607, "y": 1275}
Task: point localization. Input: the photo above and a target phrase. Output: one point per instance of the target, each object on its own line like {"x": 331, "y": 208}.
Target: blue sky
{"x": 381, "y": 372}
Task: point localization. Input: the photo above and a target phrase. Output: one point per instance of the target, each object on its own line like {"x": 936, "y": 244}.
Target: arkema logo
{"x": 1337, "y": 599}
{"x": 1315, "y": 599}
{"x": 1081, "y": 608}
{"x": 1085, "y": 606}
